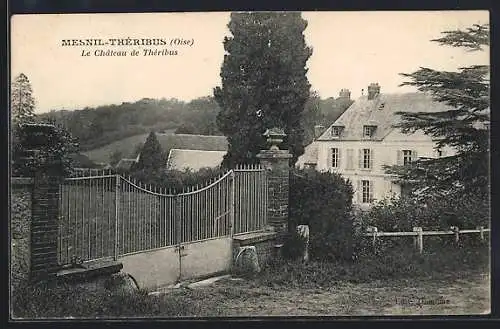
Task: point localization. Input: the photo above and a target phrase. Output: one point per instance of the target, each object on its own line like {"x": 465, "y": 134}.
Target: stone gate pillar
{"x": 44, "y": 227}
{"x": 276, "y": 162}
{"x": 39, "y": 163}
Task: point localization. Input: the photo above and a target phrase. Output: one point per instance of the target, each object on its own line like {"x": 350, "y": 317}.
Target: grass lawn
{"x": 457, "y": 294}
{"x": 451, "y": 282}
{"x": 425, "y": 296}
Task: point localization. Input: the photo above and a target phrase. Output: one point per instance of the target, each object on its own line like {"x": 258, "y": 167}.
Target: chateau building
{"x": 362, "y": 140}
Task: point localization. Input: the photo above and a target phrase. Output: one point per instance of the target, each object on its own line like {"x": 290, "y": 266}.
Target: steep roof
{"x": 310, "y": 155}
{"x": 380, "y": 112}
{"x": 192, "y": 142}
{"x": 193, "y": 159}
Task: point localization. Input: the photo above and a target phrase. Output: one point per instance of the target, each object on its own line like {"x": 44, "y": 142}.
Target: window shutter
{"x": 339, "y": 157}
{"x": 414, "y": 155}
{"x": 359, "y": 192}
{"x": 360, "y": 158}
{"x": 400, "y": 158}
{"x": 371, "y": 188}
{"x": 443, "y": 153}
{"x": 372, "y": 155}
{"x": 349, "y": 159}
{"x": 329, "y": 158}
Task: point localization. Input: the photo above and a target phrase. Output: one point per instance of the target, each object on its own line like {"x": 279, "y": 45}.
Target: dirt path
{"x": 399, "y": 297}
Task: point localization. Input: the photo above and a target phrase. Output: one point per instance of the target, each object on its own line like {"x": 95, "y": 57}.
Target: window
{"x": 336, "y": 131}
{"x": 335, "y": 157}
{"x": 367, "y": 131}
{"x": 366, "y": 159}
{"x": 366, "y": 191}
{"x": 407, "y": 157}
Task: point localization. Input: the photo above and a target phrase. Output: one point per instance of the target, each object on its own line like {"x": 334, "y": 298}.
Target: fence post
{"x": 457, "y": 233}
{"x": 415, "y": 238}
{"x": 481, "y": 232}
{"x": 374, "y": 240}
{"x": 420, "y": 240}
{"x": 117, "y": 210}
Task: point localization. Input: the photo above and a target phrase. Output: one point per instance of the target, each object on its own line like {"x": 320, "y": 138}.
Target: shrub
{"x": 294, "y": 246}
{"x": 55, "y": 143}
{"x": 402, "y": 214}
{"x": 323, "y": 201}
{"x": 178, "y": 180}
{"x": 393, "y": 264}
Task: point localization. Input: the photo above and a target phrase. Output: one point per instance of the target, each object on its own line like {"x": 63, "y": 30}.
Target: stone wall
{"x": 20, "y": 230}
{"x": 264, "y": 243}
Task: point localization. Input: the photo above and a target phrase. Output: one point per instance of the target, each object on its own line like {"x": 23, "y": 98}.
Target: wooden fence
{"x": 418, "y": 234}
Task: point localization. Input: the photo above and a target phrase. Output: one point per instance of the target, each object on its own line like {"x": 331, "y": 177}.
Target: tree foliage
{"x": 57, "y": 148}
{"x": 323, "y": 201}
{"x": 152, "y": 158}
{"x": 22, "y": 102}
{"x": 264, "y": 83}
{"x": 462, "y": 128}
{"x": 98, "y": 126}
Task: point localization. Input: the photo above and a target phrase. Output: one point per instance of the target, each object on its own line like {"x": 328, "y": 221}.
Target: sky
{"x": 350, "y": 50}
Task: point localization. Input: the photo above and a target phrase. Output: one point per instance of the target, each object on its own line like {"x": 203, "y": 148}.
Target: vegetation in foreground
{"x": 388, "y": 271}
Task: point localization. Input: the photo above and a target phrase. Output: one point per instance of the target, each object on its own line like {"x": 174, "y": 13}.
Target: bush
{"x": 54, "y": 143}
{"x": 178, "y": 180}
{"x": 464, "y": 211}
{"x": 393, "y": 264}
{"x": 294, "y": 246}
{"x": 323, "y": 201}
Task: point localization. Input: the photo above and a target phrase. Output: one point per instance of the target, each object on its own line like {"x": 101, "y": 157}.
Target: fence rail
{"x": 418, "y": 234}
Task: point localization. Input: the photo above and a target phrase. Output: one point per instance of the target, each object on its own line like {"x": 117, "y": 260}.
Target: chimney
{"x": 318, "y": 130}
{"x": 345, "y": 94}
{"x": 373, "y": 90}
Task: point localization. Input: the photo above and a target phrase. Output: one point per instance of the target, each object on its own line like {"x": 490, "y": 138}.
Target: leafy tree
{"x": 264, "y": 83}
{"x": 22, "y": 101}
{"x": 463, "y": 128}
{"x": 311, "y": 116}
{"x": 152, "y": 158}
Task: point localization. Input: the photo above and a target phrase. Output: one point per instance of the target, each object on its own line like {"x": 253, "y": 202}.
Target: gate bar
{"x": 117, "y": 209}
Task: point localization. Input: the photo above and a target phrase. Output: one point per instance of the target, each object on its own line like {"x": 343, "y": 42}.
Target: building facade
{"x": 363, "y": 140}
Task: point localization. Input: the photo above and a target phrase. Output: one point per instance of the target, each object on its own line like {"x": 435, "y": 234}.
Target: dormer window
{"x": 368, "y": 131}
{"x": 336, "y": 131}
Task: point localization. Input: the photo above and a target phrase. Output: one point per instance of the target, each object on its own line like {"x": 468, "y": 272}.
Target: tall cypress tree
{"x": 264, "y": 83}
{"x": 464, "y": 128}
{"x": 152, "y": 159}
{"x": 22, "y": 101}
